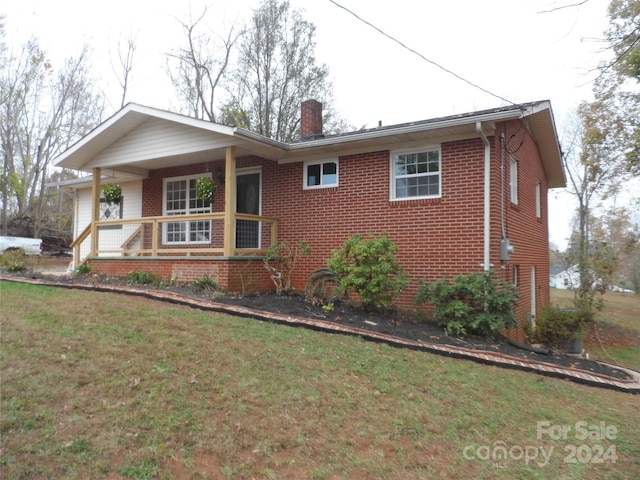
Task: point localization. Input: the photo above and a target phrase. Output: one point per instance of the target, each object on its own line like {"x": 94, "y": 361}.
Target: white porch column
{"x": 230, "y": 202}
{"x": 95, "y": 209}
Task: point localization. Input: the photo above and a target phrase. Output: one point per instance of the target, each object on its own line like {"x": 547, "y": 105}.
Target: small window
{"x": 538, "y": 200}
{"x": 514, "y": 275}
{"x": 321, "y": 174}
{"x": 110, "y": 211}
{"x": 513, "y": 180}
{"x": 415, "y": 174}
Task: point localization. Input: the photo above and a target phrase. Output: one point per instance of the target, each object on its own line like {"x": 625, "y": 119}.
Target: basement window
{"x": 321, "y": 174}
{"x": 416, "y": 174}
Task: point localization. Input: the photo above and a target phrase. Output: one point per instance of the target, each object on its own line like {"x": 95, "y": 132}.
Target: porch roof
{"x": 138, "y": 138}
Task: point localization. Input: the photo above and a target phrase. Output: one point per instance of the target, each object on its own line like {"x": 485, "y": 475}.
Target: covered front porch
{"x": 224, "y": 244}
{"x": 161, "y": 225}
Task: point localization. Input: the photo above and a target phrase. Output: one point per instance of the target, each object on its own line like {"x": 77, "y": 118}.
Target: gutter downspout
{"x": 487, "y": 197}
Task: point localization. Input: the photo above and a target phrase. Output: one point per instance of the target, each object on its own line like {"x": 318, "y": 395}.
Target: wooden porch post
{"x": 95, "y": 204}
{"x": 230, "y": 202}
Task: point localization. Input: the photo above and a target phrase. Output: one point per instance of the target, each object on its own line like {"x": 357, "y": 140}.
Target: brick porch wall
{"x": 237, "y": 275}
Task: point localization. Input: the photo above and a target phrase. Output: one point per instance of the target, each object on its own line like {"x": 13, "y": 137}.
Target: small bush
{"x": 14, "y": 260}
{"x": 204, "y": 284}
{"x": 472, "y": 304}
{"x": 556, "y": 326}
{"x": 370, "y": 269}
{"x": 142, "y": 278}
{"x": 83, "y": 269}
{"x": 280, "y": 262}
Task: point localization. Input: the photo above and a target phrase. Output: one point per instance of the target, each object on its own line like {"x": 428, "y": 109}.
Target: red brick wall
{"x": 528, "y": 234}
{"x": 237, "y": 275}
{"x": 436, "y": 237}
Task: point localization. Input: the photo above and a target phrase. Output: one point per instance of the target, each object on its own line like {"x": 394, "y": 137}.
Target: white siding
{"x": 109, "y": 239}
{"x": 158, "y": 139}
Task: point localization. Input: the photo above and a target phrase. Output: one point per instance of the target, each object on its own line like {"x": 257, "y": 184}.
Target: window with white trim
{"x": 416, "y": 174}
{"x": 180, "y": 199}
{"x": 321, "y": 174}
{"x": 513, "y": 180}
{"x": 538, "y": 200}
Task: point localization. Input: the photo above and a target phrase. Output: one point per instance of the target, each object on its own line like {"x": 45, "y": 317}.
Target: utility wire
{"x": 422, "y": 56}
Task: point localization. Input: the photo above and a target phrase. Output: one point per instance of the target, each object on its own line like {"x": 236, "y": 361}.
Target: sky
{"x": 513, "y": 50}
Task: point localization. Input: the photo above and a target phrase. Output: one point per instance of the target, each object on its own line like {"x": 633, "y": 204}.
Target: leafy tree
{"x": 592, "y": 175}
{"x": 605, "y": 149}
{"x": 617, "y": 228}
{"x": 43, "y": 111}
{"x": 617, "y": 92}
{"x": 277, "y": 71}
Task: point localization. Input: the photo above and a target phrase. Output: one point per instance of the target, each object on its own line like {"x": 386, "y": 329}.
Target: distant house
{"x": 564, "y": 276}
{"x": 457, "y": 194}
{"x": 568, "y": 277}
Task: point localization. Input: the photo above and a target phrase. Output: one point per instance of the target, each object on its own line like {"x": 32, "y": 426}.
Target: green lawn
{"x": 98, "y": 385}
{"x": 621, "y": 310}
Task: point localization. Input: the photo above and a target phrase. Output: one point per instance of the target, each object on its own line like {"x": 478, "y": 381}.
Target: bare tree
{"x": 593, "y": 175}
{"x": 277, "y": 71}
{"x": 125, "y": 61}
{"x": 43, "y": 112}
{"x": 201, "y": 66}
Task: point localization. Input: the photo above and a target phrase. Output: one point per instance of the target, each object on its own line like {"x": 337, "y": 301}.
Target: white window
{"x": 321, "y": 174}
{"x": 513, "y": 180}
{"x": 180, "y": 199}
{"x": 416, "y": 174}
{"x": 538, "y": 200}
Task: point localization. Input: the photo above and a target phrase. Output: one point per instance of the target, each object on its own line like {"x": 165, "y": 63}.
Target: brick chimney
{"x": 311, "y": 120}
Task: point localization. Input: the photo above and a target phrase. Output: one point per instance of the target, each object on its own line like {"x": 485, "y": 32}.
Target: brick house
{"x": 456, "y": 194}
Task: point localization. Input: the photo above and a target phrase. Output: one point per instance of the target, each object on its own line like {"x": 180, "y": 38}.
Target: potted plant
{"x": 205, "y": 188}
{"x": 112, "y": 193}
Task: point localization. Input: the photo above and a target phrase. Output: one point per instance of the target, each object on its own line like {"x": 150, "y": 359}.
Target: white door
{"x": 533, "y": 296}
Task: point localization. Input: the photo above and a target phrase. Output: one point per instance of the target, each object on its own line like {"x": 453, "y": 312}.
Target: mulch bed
{"x": 391, "y": 323}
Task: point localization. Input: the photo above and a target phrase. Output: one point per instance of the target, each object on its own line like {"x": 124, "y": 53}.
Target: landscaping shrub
{"x": 205, "y": 284}
{"x": 83, "y": 269}
{"x": 14, "y": 260}
{"x": 369, "y": 268}
{"x": 281, "y": 260}
{"x": 471, "y": 304}
{"x": 142, "y": 278}
{"x": 555, "y": 326}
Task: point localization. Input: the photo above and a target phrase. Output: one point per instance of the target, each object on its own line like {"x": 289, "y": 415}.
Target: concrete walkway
{"x": 489, "y": 358}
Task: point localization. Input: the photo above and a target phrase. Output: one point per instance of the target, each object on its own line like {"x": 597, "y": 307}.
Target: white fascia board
{"x": 411, "y": 128}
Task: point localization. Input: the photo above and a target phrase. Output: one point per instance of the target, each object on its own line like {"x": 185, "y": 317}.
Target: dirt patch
{"x": 609, "y": 335}
{"x": 395, "y": 323}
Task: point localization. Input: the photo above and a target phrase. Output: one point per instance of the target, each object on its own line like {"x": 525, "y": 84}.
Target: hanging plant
{"x": 205, "y": 188}
{"x": 112, "y": 193}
